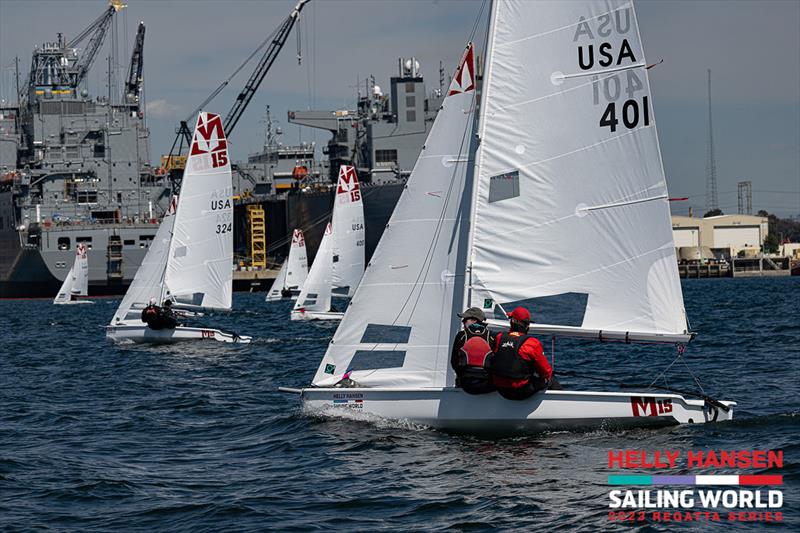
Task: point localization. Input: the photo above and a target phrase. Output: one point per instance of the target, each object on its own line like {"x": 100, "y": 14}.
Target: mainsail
{"x": 149, "y": 279}
{"x": 316, "y": 292}
{"x": 200, "y": 266}
{"x": 571, "y": 196}
{"x": 399, "y": 324}
{"x": 276, "y": 291}
{"x": 348, "y": 231}
{"x": 298, "y": 262}
{"x": 76, "y": 283}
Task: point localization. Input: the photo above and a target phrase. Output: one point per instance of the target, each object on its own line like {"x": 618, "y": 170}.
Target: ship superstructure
{"x": 76, "y": 170}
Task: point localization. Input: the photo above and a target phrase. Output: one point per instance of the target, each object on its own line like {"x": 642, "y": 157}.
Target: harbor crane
{"x": 97, "y": 30}
{"x": 274, "y": 43}
{"x": 133, "y": 84}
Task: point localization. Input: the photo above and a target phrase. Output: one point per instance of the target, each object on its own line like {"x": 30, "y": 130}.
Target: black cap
{"x": 473, "y": 312}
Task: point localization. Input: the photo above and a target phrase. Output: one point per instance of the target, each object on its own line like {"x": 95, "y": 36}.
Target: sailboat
{"x": 339, "y": 263}
{"x": 293, "y": 272}
{"x": 553, "y": 187}
{"x": 190, "y": 259}
{"x": 314, "y": 301}
{"x": 77, "y": 281}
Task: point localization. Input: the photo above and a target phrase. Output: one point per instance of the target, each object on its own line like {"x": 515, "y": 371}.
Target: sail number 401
{"x": 631, "y": 113}
{"x": 225, "y": 228}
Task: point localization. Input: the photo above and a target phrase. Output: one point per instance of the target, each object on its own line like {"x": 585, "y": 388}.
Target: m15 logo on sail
{"x": 618, "y": 57}
{"x": 348, "y": 186}
{"x": 209, "y": 140}
{"x": 649, "y": 406}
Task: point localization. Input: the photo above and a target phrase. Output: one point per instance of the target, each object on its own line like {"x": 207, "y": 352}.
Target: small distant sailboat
{"x": 293, "y": 272}
{"x": 339, "y": 263}
{"x": 550, "y": 187}
{"x": 77, "y": 281}
{"x": 190, "y": 259}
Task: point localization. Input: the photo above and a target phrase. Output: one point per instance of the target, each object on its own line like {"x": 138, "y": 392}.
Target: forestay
{"x": 571, "y": 194}
{"x": 149, "y": 278}
{"x": 200, "y": 266}
{"x": 298, "y": 261}
{"x": 276, "y": 291}
{"x": 348, "y": 231}
{"x": 399, "y": 324}
{"x": 316, "y": 292}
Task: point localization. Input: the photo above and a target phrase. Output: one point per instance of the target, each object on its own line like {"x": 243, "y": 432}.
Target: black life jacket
{"x": 150, "y": 313}
{"x": 507, "y": 362}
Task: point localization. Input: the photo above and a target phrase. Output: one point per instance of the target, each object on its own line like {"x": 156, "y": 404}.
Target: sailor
{"x": 472, "y": 353}
{"x": 150, "y": 314}
{"x": 167, "y": 316}
{"x": 519, "y": 367}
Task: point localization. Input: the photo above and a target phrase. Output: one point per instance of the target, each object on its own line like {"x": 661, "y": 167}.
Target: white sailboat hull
{"x": 143, "y": 334}
{"x": 74, "y": 302}
{"x": 453, "y": 409}
{"x": 315, "y": 315}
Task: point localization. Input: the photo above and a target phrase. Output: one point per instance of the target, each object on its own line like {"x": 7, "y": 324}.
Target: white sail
{"x": 400, "y": 322}
{"x": 348, "y": 231}
{"x": 316, "y": 292}
{"x": 76, "y": 283}
{"x": 298, "y": 261}
{"x": 276, "y": 291}
{"x": 149, "y": 278}
{"x": 571, "y": 196}
{"x": 200, "y": 265}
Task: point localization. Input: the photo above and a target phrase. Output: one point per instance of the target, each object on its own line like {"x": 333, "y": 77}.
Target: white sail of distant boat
{"x": 559, "y": 193}
{"x": 191, "y": 262}
{"x": 76, "y": 283}
{"x": 279, "y": 285}
{"x": 348, "y": 232}
{"x": 293, "y": 272}
{"x": 314, "y": 301}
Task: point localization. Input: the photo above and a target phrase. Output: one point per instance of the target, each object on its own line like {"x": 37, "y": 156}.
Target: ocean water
{"x": 195, "y": 437}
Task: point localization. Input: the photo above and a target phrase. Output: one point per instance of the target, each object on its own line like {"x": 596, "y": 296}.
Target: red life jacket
{"x": 475, "y": 353}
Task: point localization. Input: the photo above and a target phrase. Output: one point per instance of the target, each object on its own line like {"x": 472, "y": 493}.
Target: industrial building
{"x": 730, "y": 233}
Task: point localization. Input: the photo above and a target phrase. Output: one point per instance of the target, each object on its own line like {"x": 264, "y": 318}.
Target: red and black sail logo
{"x": 348, "y": 183}
{"x": 209, "y": 138}
{"x": 298, "y": 239}
{"x": 464, "y": 80}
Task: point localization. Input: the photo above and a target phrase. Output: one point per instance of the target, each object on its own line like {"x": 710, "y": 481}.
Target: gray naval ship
{"x": 76, "y": 168}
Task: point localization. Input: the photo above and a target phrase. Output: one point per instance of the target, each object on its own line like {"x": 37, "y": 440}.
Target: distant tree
{"x": 714, "y": 213}
{"x": 762, "y": 213}
{"x": 771, "y": 244}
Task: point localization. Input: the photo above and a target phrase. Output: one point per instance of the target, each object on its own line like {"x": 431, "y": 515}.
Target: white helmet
{"x": 152, "y": 301}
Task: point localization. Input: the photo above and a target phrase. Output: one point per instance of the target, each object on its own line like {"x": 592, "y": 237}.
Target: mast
{"x": 480, "y": 120}
{"x": 712, "y": 201}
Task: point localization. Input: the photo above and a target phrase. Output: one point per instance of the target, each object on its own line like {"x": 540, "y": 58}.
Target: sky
{"x": 752, "y": 48}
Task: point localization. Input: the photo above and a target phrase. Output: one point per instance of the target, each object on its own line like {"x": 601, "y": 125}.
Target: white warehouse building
{"x": 732, "y": 232}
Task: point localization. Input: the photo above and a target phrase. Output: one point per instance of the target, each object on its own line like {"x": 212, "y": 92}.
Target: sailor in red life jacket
{"x": 472, "y": 353}
{"x": 519, "y": 367}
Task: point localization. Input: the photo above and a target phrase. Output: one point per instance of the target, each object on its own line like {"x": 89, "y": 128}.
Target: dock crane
{"x": 276, "y": 42}
{"x": 133, "y": 83}
{"x": 97, "y": 30}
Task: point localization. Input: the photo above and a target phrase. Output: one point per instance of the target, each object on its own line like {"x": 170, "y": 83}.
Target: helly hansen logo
{"x": 507, "y": 344}
{"x": 209, "y": 138}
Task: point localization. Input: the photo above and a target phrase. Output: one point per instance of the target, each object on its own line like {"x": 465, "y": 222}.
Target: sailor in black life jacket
{"x": 472, "y": 353}
{"x": 159, "y": 317}
{"x": 519, "y": 367}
